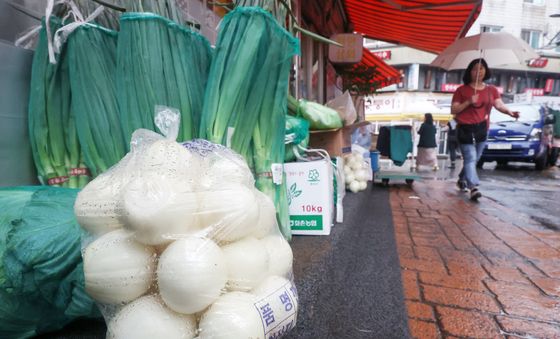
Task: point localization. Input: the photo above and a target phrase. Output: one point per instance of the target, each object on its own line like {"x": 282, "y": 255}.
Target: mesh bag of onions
{"x": 181, "y": 244}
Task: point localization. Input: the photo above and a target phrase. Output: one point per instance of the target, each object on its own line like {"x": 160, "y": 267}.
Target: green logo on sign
{"x": 306, "y": 222}
{"x": 293, "y": 192}
{"x": 313, "y": 176}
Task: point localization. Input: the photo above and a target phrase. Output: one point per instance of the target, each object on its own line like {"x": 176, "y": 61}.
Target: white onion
{"x": 347, "y": 169}
{"x": 271, "y": 284}
{"x": 280, "y": 255}
{"x": 349, "y": 178}
{"x": 354, "y": 186}
{"x": 191, "y": 273}
{"x": 159, "y": 209}
{"x": 232, "y": 316}
{"x": 224, "y": 169}
{"x": 148, "y": 318}
{"x": 363, "y": 185}
{"x": 280, "y": 295}
{"x": 231, "y": 212}
{"x": 362, "y": 175}
{"x": 169, "y": 159}
{"x": 266, "y": 223}
{"x": 98, "y": 207}
{"x": 117, "y": 269}
{"x": 359, "y": 157}
{"x": 247, "y": 264}
{"x": 356, "y": 165}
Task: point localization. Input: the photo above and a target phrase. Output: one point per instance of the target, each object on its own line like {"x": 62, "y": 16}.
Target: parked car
{"x": 527, "y": 139}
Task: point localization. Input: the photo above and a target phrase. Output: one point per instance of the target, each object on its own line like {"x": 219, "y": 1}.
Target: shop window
{"x": 428, "y": 79}
{"x": 439, "y": 80}
{"x": 556, "y": 87}
{"x": 512, "y": 84}
{"x": 490, "y": 28}
{"x": 534, "y": 2}
{"x": 531, "y": 37}
{"x": 403, "y": 78}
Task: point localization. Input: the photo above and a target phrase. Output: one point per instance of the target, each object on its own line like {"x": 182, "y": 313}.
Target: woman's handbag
{"x": 466, "y": 133}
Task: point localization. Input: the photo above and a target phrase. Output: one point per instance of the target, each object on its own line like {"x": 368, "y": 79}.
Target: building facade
{"x": 530, "y": 20}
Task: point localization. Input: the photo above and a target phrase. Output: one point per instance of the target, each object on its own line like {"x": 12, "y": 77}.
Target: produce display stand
{"x": 408, "y": 177}
{"x": 407, "y": 174}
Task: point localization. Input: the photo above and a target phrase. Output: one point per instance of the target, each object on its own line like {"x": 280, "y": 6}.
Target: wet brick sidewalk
{"x": 474, "y": 270}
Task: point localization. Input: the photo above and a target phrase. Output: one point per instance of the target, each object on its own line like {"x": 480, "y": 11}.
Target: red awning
{"x": 387, "y": 75}
{"x": 429, "y": 25}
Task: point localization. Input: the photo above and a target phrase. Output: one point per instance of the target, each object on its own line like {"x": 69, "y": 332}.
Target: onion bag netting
{"x": 180, "y": 243}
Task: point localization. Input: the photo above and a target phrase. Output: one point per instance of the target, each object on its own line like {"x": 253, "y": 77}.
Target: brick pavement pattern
{"x": 474, "y": 270}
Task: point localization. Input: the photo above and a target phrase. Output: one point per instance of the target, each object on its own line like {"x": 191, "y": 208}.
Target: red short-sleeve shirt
{"x": 472, "y": 114}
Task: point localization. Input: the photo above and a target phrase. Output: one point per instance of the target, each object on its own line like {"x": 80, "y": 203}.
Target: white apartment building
{"x": 532, "y": 20}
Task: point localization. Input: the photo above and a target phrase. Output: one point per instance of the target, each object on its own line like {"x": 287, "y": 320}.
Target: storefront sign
{"x": 383, "y": 55}
{"x": 351, "y": 50}
{"x": 549, "y": 85}
{"x": 538, "y": 63}
{"x": 449, "y": 87}
{"x": 452, "y": 87}
{"x": 407, "y": 103}
{"x": 535, "y": 91}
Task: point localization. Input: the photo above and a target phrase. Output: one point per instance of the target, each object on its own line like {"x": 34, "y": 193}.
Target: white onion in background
{"x": 191, "y": 274}
{"x": 148, "y": 318}
{"x": 361, "y": 175}
{"x": 232, "y": 316}
{"x": 355, "y": 186}
{"x": 247, "y": 263}
{"x": 118, "y": 269}
{"x": 363, "y": 185}
{"x": 356, "y": 172}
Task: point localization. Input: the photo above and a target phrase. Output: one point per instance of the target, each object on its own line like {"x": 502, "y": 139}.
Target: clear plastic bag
{"x": 357, "y": 170}
{"x": 344, "y": 105}
{"x": 182, "y": 244}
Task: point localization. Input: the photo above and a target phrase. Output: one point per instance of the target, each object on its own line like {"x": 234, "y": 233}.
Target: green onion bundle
{"x": 246, "y": 98}
{"x": 92, "y": 55}
{"x": 278, "y": 8}
{"x": 160, "y": 63}
{"x": 49, "y": 105}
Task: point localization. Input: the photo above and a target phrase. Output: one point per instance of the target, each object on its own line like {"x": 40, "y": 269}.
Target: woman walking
{"x": 471, "y": 106}
{"x": 427, "y": 153}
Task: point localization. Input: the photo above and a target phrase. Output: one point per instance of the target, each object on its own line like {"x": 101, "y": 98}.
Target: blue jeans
{"x": 471, "y": 155}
